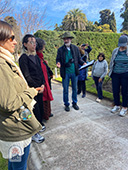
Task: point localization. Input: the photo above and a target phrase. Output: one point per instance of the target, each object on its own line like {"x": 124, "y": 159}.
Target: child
{"x": 99, "y": 71}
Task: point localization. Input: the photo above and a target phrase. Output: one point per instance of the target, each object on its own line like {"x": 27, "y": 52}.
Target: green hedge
{"x": 100, "y": 42}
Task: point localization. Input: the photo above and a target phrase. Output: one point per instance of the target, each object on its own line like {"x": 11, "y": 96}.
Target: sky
{"x": 57, "y": 9}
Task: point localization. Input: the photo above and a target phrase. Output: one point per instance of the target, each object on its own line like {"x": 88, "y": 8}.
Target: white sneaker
{"x": 98, "y": 100}
{"x": 38, "y": 138}
{"x": 123, "y": 112}
{"x": 115, "y": 109}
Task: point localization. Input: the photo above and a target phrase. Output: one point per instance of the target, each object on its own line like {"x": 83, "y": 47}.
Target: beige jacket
{"x": 13, "y": 94}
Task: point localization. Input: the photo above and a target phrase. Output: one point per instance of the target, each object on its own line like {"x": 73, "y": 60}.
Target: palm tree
{"x": 75, "y": 20}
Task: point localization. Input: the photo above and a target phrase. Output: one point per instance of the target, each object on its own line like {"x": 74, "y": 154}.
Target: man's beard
{"x": 68, "y": 44}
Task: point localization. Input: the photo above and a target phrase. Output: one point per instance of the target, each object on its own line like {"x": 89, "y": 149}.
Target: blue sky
{"x": 57, "y": 9}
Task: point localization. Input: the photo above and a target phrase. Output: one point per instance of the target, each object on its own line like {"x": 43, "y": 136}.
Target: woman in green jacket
{"x": 16, "y": 128}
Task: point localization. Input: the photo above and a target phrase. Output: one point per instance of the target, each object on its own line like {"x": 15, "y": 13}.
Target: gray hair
{"x": 39, "y": 44}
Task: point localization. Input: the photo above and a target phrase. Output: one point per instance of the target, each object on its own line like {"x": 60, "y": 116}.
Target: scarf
{"x": 7, "y": 56}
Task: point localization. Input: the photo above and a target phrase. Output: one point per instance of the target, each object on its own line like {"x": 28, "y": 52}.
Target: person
{"x": 48, "y": 74}
{"x": 81, "y": 84}
{"x": 119, "y": 74}
{"x": 30, "y": 66}
{"x": 86, "y": 57}
{"x": 99, "y": 71}
{"x": 15, "y": 132}
{"x": 68, "y": 60}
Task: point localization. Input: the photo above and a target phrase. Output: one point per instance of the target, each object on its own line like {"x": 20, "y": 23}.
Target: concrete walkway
{"x": 89, "y": 139}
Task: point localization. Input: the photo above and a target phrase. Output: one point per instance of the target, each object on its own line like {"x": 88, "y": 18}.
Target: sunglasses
{"x": 32, "y": 42}
{"x": 12, "y": 38}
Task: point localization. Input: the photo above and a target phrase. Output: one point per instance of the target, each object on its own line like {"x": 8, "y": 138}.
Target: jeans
{"x": 65, "y": 83}
{"x": 98, "y": 86}
{"x": 20, "y": 165}
{"x": 120, "y": 81}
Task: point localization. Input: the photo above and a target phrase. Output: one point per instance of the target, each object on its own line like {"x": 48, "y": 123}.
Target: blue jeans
{"x": 20, "y": 165}
{"x": 65, "y": 83}
{"x": 99, "y": 86}
{"x": 120, "y": 81}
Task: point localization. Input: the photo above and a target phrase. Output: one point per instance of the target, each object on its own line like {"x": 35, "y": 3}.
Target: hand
{"x": 40, "y": 89}
{"x": 46, "y": 62}
{"x": 84, "y": 63}
{"x": 87, "y": 45}
{"x": 58, "y": 65}
{"x": 100, "y": 80}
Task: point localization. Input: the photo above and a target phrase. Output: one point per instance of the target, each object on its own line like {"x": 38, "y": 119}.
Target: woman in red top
{"x": 48, "y": 74}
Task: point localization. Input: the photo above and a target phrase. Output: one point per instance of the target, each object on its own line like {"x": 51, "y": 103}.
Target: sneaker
{"x": 75, "y": 106}
{"x": 123, "y": 112}
{"x": 83, "y": 95}
{"x": 115, "y": 109}
{"x": 43, "y": 129}
{"x": 38, "y": 138}
{"x": 98, "y": 100}
{"x": 67, "y": 108}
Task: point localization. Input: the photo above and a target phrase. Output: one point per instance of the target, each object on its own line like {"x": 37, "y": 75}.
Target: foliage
{"x": 124, "y": 15}
{"x": 107, "y": 18}
{"x": 75, "y": 20}
{"x": 100, "y": 42}
{"x": 91, "y": 89}
{"x": 3, "y": 163}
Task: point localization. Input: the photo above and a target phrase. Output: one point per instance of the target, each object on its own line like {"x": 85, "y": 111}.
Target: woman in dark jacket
{"x": 31, "y": 69}
{"x": 47, "y": 94}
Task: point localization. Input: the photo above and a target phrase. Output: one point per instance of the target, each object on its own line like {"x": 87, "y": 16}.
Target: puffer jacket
{"x": 13, "y": 94}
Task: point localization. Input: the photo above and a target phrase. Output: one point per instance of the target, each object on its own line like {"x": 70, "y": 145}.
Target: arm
{"x": 23, "y": 63}
{"x": 105, "y": 70}
{"x": 58, "y": 62}
{"x": 14, "y": 92}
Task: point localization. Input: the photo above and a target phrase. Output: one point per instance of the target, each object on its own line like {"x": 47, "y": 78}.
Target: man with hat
{"x": 119, "y": 74}
{"x": 68, "y": 60}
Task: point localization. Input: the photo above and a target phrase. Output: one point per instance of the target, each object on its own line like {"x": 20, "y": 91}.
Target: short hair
{"x": 5, "y": 30}
{"x": 101, "y": 54}
{"x": 39, "y": 44}
{"x": 25, "y": 39}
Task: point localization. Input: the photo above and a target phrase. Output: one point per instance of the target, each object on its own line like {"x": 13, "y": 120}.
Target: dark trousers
{"x": 120, "y": 81}
{"x": 81, "y": 87}
{"x": 98, "y": 86}
{"x": 38, "y": 107}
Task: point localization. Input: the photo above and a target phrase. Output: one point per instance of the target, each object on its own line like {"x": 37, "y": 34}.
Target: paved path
{"x": 89, "y": 139}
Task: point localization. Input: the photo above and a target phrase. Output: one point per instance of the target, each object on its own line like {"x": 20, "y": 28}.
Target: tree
{"x": 75, "y": 20}
{"x": 30, "y": 20}
{"x": 17, "y": 32}
{"x": 112, "y": 23}
{"x": 124, "y": 15}
{"x": 107, "y": 18}
{"x": 5, "y": 7}
{"x": 104, "y": 16}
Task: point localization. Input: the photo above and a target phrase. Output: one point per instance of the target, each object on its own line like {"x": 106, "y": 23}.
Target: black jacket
{"x": 61, "y": 57}
{"x": 31, "y": 70}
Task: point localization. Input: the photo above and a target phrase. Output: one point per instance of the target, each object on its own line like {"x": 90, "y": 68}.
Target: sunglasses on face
{"x": 12, "y": 38}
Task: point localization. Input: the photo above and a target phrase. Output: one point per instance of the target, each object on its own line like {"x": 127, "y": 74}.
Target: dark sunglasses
{"x": 12, "y": 38}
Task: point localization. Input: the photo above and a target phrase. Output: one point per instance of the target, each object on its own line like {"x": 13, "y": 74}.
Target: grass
{"x": 91, "y": 89}
{"x": 3, "y": 163}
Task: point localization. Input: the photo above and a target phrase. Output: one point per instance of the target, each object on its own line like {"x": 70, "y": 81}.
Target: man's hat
{"x": 83, "y": 45}
{"x": 123, "y": 40}
{"x": 67, "y": 35}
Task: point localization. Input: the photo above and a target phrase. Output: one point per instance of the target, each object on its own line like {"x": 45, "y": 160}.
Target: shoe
{"x": 43, "y": 129}
{"x": 98, "y": 100}
{"x": 123, "y": 112}
{"x": 67, "y": 108}
{"x": 51, "y": 115}
{"x": 38, "y": 138}
{"x": 115, "y": 109}
{"x": 75, "y": 106}
{"x": 83, "y": 95}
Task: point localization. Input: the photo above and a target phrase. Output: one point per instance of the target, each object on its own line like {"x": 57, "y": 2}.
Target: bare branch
{"x": 5, "y": 7}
